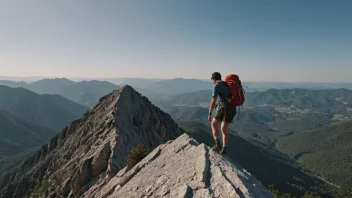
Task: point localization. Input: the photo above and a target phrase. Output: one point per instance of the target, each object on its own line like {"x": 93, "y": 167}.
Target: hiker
{"x": 224, "y": 112}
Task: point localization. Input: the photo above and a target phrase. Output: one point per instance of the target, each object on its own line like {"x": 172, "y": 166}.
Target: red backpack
{"x": 237, "y": 93}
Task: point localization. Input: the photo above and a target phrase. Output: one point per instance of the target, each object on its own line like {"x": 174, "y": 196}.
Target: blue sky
{"x": 272, "y": 40}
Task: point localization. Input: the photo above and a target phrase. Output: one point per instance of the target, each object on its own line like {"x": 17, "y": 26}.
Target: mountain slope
{"x": 93, "y": 148}
{"x": 326, "y": 151}
{"x": 49, "y": 110}
{"x": 267, "y": 165}
{"x": 18, "y": 135}
{"x": 19, "y": 138}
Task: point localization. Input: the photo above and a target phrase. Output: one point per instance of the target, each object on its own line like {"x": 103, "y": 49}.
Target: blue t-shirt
{"x": 222, "y": 92}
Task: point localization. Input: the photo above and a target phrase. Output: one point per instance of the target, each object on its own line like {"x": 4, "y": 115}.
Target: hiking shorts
{"x": 227, "y": 113}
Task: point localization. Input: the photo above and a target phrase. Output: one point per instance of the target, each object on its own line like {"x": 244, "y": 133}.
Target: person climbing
{"x": 224, "y": 111}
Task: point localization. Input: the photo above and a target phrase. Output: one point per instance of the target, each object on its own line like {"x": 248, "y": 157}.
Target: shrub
{"x": 136, "y": 155}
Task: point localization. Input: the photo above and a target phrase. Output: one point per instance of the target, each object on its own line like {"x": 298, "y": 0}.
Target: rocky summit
{"x": 87, "y": 158}
{"x": 181, "y": 168}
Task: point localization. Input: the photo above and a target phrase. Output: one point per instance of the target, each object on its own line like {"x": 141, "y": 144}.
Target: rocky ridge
{"x": 182, "y": 168}
{"x": 92, "y": 148}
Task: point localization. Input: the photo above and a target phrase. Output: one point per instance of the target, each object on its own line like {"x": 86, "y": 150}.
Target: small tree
{"x": 136, "y": 155}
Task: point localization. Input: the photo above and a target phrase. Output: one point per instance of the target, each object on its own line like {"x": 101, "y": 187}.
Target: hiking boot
{"x": 217, "y": 146}
{"x": 223, "y": 151}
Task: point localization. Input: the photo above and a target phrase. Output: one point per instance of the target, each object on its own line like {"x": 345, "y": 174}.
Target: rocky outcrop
{"x": 181, "y": 168}
{"x": 93, "y": 149}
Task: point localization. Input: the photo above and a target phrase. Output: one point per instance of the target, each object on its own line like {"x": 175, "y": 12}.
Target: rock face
{"x": 181, "y": 168}
{"x": 93, "y": 149}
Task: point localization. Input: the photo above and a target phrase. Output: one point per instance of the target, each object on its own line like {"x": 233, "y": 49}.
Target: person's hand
{"x": 209, "y": 117}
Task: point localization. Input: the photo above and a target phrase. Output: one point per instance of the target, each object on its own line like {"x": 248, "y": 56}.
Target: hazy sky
{"x": 279, "y": 40}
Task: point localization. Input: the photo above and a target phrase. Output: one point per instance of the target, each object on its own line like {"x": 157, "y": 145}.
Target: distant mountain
{"x": 18, "y": 135}
{"x": 49, "y": 110}
{"x": 189, "y": 99}
{"x": 12, "y": 84}
{"x": 143, "y": 83}
{"x": 49, "y": 86}
{"x": 24, "y": 79}
{"x": 84, "y": 92}
{"x": 325, "y": 151}
{"x": 180, "y": 85}
{"x": 87, "y": 93}
{"x": 250, "y": 85}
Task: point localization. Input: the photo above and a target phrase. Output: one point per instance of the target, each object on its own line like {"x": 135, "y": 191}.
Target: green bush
{"x": 136, "y": 155}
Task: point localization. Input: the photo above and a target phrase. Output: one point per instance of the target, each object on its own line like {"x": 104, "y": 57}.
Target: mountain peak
{"x": 94, "y": 147}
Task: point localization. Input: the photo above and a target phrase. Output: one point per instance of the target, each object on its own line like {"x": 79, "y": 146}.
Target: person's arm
{"x": 215, "y": 95}
{"x": 212, "y": 105}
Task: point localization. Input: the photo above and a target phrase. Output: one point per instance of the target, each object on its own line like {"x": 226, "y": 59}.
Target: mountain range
{"x": 86, "y": 93}
{"x": 189, "y": 91}
{"x": 48, "y": 110}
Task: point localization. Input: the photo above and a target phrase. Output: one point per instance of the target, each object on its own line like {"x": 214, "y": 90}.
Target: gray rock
{"x": 66, "y": 188}
{"x": 182, "y": 168}
{"x": 100, "y": 160}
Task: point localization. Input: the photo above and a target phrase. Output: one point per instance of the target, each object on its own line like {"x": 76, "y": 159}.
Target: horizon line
{"x": 148, "y": 78}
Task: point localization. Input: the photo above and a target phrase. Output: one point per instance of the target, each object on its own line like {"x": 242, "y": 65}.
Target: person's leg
{"x": 224, "y": 130}
{"x": 230, "y": 114}
{"x": 214, "y": 126}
